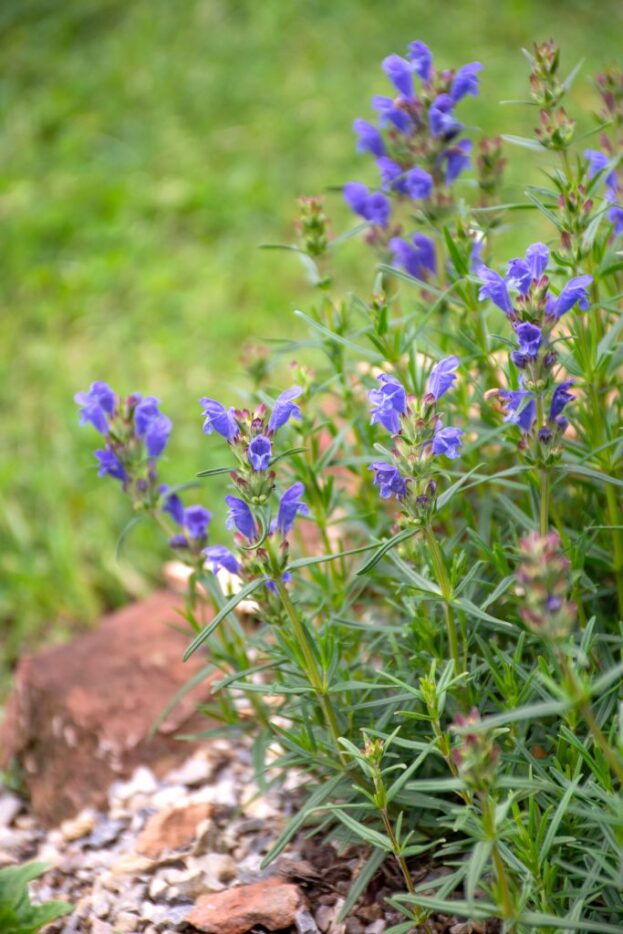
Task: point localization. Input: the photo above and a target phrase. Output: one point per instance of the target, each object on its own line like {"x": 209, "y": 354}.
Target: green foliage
{"x": 147, "y": 148}
{"x": 17, "y": 914}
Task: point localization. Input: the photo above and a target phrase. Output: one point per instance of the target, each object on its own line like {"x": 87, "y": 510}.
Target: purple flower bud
{"x": 217, "y": 556}
{"x": 417, "y": 257}
{"x": 173, "y": 505}
{"x": 373, "y": 207}
{"x": 219, "y": 419}
{"x": 240, "y": 517}
{"x": 441, "y": 120}
{"x": 259, "y": 453}
{"x": 196, "y": 521}
{"x": 157, "y": 435}
{"x": 442, "y": 376}
{"x": 494, "y": 288}
{"x": 389, "y": 113}
{"x": 98, "y": 404}
{"x": 457, "y": 158}
{"x": 520, "y": 407}
{"x": 560, "y": 397}
{"x": 615, "y": 216}
{"x": 529, "y": 337}
{"x": 145, "y": 412}
{"x": 466, "y": 81}
{"x": 597, "y": 162}
{"x": 285, "y": 408}
{"x": 447, "y": 441}
{"x": 110, "y": 465}
{"x": 418, "y": 183}
{"x": 575, "y": 292}
{"x": 369, "y": 138}
{"x": 389, "y": 403}
{"x": 518, "y": 276}
{"x": 389, "y": 480}
{"x": 392, "y": 176}
{"x": 290, "y": 506}
{"x": 420, "y": 55}
{"x": 537, "y": 258}
{"x": 400, "y": 73}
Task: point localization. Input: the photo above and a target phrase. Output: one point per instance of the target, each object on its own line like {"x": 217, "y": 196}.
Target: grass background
{"x": 146, "y": 148}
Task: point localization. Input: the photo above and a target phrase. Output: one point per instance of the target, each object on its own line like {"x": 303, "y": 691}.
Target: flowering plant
{"x": 437, "y": 586}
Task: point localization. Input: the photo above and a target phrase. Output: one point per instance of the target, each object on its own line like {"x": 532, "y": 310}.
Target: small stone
{"x": 194, "y": 771}
{"x": 172, "y": 829}
{"x": 78, "y": 827}
{"x": 216, "y": 868}
{"x": 304, "y": 923}
{"x": 100, "y": 927}
{"x": 157, "y": 888}
{"x": 104, "y": 833}
{"x": 142, "y": 782}
{"x": 100, "y": 904}
{"x": 10, "y": 806}
{"x": 126, "y": 922}
{"x": 354, "y": 926}
{"x": 377, "y": 927}
{"x": 324, "y": 917}
{"x": 131, "y": 863}
{"x": 272, "y": 904}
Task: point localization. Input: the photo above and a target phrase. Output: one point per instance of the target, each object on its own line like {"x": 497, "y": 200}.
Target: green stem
{"x": 586, "y": 709}
{"x": 617, "y": 542}
{"x": 312, "y": 670}
{"x": 446, "y": 591}
{"x": 488, "y": 815}
{"x": 544, "y": 501}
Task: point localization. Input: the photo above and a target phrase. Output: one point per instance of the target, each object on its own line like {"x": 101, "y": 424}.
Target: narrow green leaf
{"x": 384, "y": 548}
{"x": 214, "y": 471}
{"x": 231, "y": 604}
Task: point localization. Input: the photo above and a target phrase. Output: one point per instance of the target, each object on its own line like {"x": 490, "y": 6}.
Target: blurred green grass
{"x": 146, "y": 149}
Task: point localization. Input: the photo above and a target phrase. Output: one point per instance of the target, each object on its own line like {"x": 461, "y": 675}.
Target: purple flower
{"x": 494, "y": 288}
{"x": 110, "y": 465}
{"x": 522, "y": 272}
{"x": 560, "y": 397}
{"x": 389, "y": 403}
{"x": 575, "y": 292}
{"x": 457, "y": 158}
{"x": 447, "y": 441}
{"x": 417, "y": 258}
{"x": 173, "y": 505}
{"x": 219, "y": 419}
{"x": 400, "y": 73}
{"x": 240, "y": 517}
{"x": 442, "y": 376}
{"x": 98, "y": 404}
{"x": 597, "y": 162}
{"x": 285, "y": 408}
{"x": 369, "y": 138}
{"x": 418, "y": 183}
{"x": 145, "y": 412}
{"x": 615, "y": 216}
{"x": 196, "y": 521}
{"x": 389, "y": 480}
{"x": 217, "y": 556}
{"x": 259, "y": 453}
{"x": 419, "y": 54}
{"x": 441, "y": 120}
{"x": 475, "y": 261}
{"x": 520, "y": 407}
{"x": 529, "y": 337}
{"x": 272, "y": 586}
{"x": 157, "y": 435}
{"x": 392, "y": 176}
{"x": 374, "y": 207}
{"x": 389, "y": 112}
{"x": 466, "y": 81}
{"x": 290, "y": 506}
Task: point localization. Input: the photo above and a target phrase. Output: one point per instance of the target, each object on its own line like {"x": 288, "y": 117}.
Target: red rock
{"x": 80, "y": 714}
{"x": 172, "y": 829}
{"x": 272, "y": 903}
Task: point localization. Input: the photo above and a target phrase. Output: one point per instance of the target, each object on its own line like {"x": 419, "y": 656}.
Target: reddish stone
{"x": 80, "y": 714}
{"x": 272, "y": 903}
{"x": 172, "y": 829}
